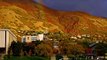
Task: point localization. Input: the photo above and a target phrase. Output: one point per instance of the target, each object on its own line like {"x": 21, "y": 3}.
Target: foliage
{"x": 58, "y": 56}
{"x": 44, "y": 50}
{"x": 16, "y": 48}
{"x": 25, "y": 58}
{"x": 101, "y": 48}
{"x": 40, "y": 48}
{"x": 77, "y": 49}
{"x": 85, "y": 44}
{"x": 37, "y": 42}
{"x": 67, "y": 47}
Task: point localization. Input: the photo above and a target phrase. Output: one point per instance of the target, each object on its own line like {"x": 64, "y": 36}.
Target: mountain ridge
{"x": 33, "y": 16}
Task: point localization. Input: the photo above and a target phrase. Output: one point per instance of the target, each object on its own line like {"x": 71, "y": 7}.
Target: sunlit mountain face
{"x": 28, "y": 15}
{"x": 52, "y": 30}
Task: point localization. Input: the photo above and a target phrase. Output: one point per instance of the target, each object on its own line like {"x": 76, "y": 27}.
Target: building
{"x": 40, "y": 37}
{"x": 30, "y": 38}
{"x": 6, "y": 37}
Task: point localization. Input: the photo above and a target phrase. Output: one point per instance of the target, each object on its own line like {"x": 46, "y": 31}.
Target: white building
{"x": 6, "y": 37}
{"x": 40, "y": 37}
{"x": 29, "y": 38}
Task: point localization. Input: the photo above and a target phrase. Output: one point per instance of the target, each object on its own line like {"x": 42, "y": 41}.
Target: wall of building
{"x": 6, "y": 38}
{"x": 2, "y": 39}
{"x": 30, "y": 38}
{"x": 40, "y": 37}
{"x": 7, "y": 41}
{"x": 9, "y": 38}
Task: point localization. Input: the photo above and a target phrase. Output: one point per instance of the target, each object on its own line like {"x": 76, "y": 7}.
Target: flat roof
{"x": 8, "y": 31}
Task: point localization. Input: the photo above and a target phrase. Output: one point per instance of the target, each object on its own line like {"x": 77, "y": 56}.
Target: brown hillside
{"x": 34, "y": 16}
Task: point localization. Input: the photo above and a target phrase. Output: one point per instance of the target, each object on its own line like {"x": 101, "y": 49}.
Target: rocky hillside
{"x": 27, "y": 15}
{"x": 82, "y": 23}
{"x": 16, "y": 18}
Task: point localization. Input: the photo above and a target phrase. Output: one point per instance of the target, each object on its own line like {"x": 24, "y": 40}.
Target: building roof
{"x": 8, "y": 31}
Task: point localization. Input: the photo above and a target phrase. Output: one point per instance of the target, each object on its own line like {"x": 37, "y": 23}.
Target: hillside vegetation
{"x": 27, "y": 15}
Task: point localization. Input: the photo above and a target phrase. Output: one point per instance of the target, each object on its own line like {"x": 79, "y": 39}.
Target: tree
{"x": 29, "y": 49}
{"x": 44, "y": 50}
{"x": 64, "y": 47}
{"x": 16, "y": 48}
{"x": 85, "y": 44}
{"x": 77, "y": 49}
{"x": 37, "y": 42}
{"x": 48, "y": 42}
{"x": 67, "y": 48}
{"x": 101, "y": 48}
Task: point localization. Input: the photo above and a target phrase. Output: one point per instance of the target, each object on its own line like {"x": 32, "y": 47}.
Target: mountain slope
{"x": 27, "y": 15}
{"x": 82, "y": 23}
{"x": 18, "y": 19}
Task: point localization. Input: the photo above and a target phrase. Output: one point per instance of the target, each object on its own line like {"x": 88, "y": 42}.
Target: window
{"x": 33, "y": 38}
{"x": 27, "y": 38}
{"x": 24, "y": 39}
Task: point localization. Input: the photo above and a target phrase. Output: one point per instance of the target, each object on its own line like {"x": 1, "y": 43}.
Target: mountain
{"x": 82, "y": 23}
{"x": 27, "y": 15}
{"x": 17, "y": 18}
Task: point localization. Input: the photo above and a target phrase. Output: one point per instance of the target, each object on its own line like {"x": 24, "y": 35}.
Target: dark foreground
{"x": 26, "y": 58}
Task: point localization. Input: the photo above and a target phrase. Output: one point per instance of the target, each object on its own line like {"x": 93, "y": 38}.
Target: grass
{"x": 25, "y": 58}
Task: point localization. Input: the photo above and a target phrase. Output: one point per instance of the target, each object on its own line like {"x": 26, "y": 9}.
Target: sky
{"x": 94, "y": 7}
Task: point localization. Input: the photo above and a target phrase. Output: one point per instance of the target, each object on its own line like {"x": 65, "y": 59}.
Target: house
{"x": 6, "y": 37}
{"x": 30, "y": 38}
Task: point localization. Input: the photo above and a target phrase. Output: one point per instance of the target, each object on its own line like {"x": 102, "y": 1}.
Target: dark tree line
{"x": 37, "y": 48}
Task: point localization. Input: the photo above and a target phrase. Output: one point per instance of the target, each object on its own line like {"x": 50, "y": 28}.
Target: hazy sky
{"x": 95, "y": 7}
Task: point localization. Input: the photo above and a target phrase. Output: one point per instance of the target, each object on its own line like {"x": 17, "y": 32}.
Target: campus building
{"x": 30, "y": 38}
{"x": 6, "y": 38}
